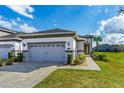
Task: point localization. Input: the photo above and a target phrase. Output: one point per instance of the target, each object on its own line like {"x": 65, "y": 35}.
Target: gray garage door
{"x": 47, "y": 52}
{"x": 4, "y": 49}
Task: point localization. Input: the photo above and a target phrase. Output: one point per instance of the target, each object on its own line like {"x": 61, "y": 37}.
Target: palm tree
{"x": 120, "y": 11}
{"x": 97, "y": 39}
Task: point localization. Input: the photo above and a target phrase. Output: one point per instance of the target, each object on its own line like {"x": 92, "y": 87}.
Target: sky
{"x": 85, "y": 20}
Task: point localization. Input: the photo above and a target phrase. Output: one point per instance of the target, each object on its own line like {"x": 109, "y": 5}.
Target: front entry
{"x": 47, "y": 52}
{"x": 87, "y": 48}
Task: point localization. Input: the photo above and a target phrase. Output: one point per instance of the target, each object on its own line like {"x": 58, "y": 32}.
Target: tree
{"x": 97, "y": 39}
{"x": 120, "y": 11}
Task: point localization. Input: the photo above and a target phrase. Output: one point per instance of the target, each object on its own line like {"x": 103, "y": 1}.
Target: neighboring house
{"x": 49, "y": 45}
{"x": 103, "y": 47}
{"x": 107, "y": 47}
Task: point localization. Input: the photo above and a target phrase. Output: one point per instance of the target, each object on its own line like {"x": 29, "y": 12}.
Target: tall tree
{"x": 121, "y": 10}
{"x": 97, "y": 39}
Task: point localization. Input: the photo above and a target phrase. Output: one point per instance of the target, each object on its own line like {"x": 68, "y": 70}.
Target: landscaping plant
{"x": 19, "y": 57}
{"x": 10, "y": 54}
{"x": 77, "y": 61}
{"x": 1, "y": 62}
{"x": 9, "y": 61}
{"x": 100, "y": 57}
{"x": 69, "y": 59}
{"x": 81, "y": 58}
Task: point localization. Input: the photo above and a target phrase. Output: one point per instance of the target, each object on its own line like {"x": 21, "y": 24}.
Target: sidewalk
{"x": 91, "y": 65}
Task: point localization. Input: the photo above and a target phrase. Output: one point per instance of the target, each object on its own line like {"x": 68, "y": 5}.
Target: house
{"x": 109, "y": 48}
{"x": 103, "y": 47}
{"x": 49, "y": 45}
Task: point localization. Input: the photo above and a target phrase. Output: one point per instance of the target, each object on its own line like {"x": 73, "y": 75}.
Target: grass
{"x": 111, "y": 76}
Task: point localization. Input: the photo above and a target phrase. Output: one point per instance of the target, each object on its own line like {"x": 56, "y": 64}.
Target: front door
{"x": 87, "y": 49}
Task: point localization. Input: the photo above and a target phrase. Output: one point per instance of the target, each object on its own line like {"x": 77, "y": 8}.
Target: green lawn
{"x": 112, "y": 75}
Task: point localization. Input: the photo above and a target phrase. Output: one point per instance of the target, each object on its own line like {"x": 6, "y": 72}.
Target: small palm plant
{"x": 97, "y": 39}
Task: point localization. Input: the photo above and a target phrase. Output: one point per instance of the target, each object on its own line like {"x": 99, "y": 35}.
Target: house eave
{"x": 47, "y": 35}
{"x": 10, "y": 39}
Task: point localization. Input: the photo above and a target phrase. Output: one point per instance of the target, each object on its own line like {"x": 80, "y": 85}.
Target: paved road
{"x": 25, "y": 75}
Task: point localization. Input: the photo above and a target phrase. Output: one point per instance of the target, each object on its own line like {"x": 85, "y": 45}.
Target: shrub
{"x": 82, "y": 57}
{"x": 1, "y": 63}
{"x": 19, "y": 57}
{"x": 100, "y": 57}
{"x": 9, "y": 61}
{"x": 10, "y": 54}
{"x": 69, "y": 59}
{"x": 77, "y": 61}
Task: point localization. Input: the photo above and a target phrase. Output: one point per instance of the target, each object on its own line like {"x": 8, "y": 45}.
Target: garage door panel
{"x": 47, "y": 52}
{"x": 4, "y": 49}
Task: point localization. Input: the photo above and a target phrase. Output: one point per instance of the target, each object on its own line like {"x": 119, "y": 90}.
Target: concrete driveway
{"x": 25, "y": 75}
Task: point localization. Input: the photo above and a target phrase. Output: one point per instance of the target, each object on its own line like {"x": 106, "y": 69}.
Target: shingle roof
{"x": 57, "y": 30}
{"x": 10, "y": 37}
{"x": 86, "y": 36}
{"x": 7, "y": 30}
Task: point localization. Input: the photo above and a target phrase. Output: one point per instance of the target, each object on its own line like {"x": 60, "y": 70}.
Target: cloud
{"x": 26, "y": 28}
{"x": 6, "y": 24}
{"x": 24, "y": 10}
{"x": 112, "y": 30}
{"x": 114, "y": 39}
{"x": 18, "y": 19}
{"x": 15, "y": 24}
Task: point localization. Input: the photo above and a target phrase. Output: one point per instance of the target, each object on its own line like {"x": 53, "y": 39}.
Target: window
{"x": 35, "y": 45}
{"x": 39, "y": 45}
{"x": 62, "y": 45}
{"x": 43, "y": 45}
{"x": 48, "y": 45}
{"x": 58, "y": 45}
{"x": 31, "y": 45}
{"x": 53, "y": 45}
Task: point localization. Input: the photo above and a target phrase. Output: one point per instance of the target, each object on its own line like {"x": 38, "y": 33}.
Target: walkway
{"x": 91, "y": 65}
